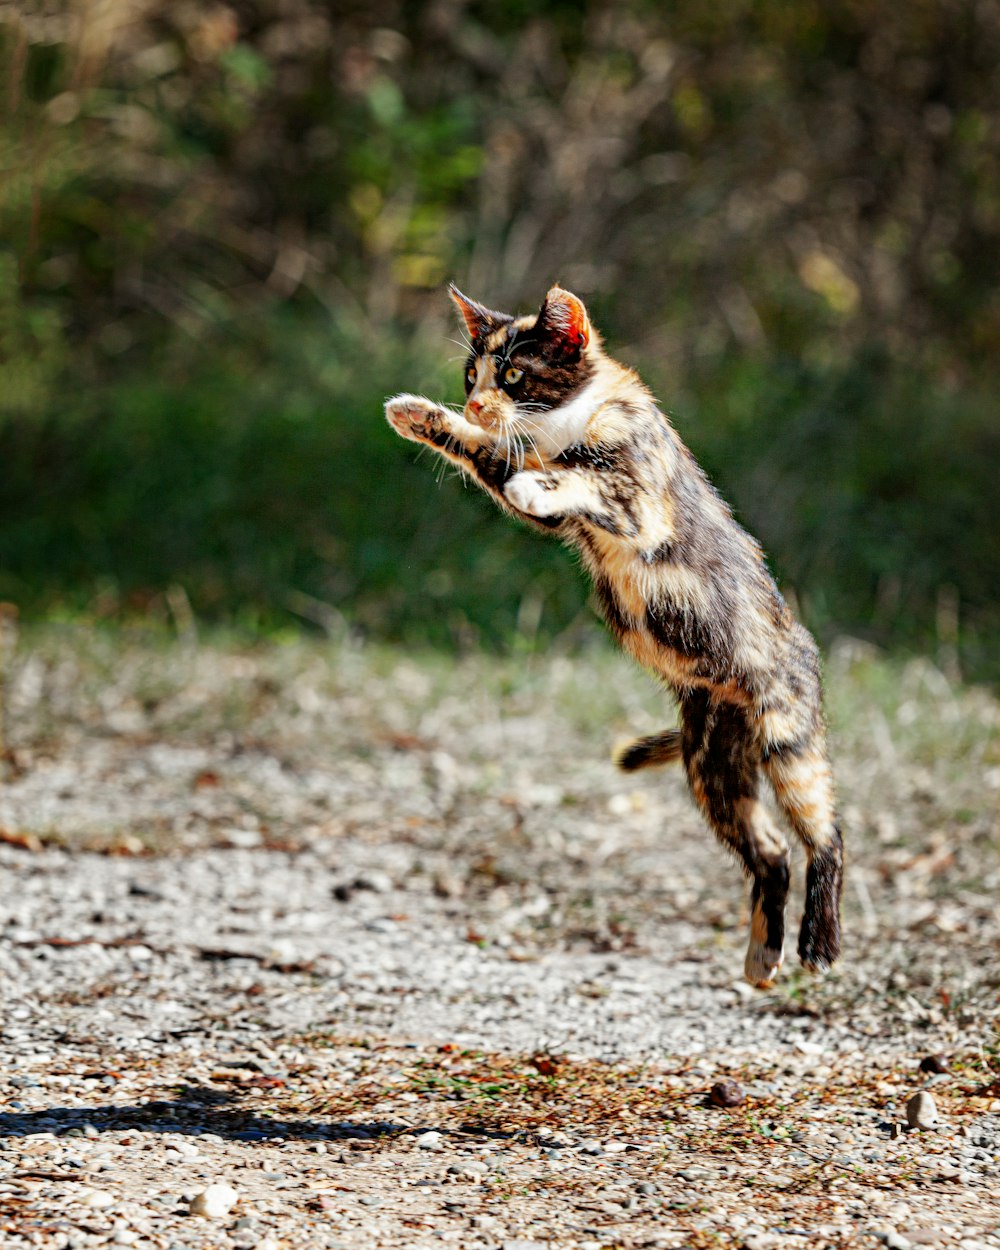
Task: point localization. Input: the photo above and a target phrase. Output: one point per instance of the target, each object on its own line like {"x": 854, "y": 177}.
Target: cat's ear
{"x": 478, "y": 319}
{"x": 563, "y": 321}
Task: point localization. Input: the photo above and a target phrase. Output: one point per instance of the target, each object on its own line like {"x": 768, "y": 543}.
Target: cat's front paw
{"x": 526, "y": 493}
{"x": 414, "y": 417}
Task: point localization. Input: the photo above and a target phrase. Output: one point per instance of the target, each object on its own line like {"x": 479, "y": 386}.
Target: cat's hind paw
{"x": 761, "y": 965}
{"x": 414, "y": 417}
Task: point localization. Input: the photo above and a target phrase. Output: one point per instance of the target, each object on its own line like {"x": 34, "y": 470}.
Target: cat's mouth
{"x": 486, "y": 418}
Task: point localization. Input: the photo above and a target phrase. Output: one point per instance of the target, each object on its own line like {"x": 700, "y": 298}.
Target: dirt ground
{"x": 385, "y": 944}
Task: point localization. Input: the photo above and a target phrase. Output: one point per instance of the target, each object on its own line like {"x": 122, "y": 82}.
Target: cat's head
{"x": 522, "y": 371}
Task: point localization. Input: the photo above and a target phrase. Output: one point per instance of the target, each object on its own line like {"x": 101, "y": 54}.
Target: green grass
{"x": 255, "y": 482}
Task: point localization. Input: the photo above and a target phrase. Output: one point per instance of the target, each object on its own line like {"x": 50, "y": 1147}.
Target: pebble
{"x": 726, "y": 1094}
{"x": 215, "y": 1202}
{"x": 98, "y": 1199}
{"x": 472, "y": 1168}
{"x": 431, "y": 1140}
{"x": 891, "y": 1239}
{"x": 934, "y": 1063}
{"x": 921, "y": 1110}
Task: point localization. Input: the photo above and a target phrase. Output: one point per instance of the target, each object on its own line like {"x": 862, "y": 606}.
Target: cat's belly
{"x": 670, "y": 623}
{"x": 677, "y": 669}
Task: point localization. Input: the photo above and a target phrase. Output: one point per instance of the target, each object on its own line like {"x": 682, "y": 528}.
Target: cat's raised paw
{"x": 413, "y": 416}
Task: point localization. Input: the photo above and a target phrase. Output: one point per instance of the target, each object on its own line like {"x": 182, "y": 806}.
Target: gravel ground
{"x": 384, "y": 945}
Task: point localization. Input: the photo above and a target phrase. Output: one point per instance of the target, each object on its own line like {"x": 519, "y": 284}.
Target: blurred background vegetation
{"x": 225, "y": 230}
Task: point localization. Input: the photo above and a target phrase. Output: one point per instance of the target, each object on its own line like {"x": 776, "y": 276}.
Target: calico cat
{"x": 567, "y": 439}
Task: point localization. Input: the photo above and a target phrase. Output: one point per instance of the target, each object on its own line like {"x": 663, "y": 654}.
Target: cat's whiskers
{"x": 519, "y": 432}
{"x": 508, "y": 437}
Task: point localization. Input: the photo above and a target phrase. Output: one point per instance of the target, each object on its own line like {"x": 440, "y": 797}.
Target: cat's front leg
{"x": 541, "y": 494}
{"x": 423, "y": 421}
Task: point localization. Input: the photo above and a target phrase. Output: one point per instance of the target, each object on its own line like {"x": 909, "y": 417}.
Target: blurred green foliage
{"x": 226, "y": 229}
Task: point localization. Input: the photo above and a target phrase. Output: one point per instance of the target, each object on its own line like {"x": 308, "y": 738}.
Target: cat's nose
{"x": 475, "y": 406}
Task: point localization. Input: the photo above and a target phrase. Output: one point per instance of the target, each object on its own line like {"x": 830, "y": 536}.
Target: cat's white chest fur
{"x": 565, "y": 426}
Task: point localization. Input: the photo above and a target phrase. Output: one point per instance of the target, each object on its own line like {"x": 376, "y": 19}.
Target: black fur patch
{"x": 770, "y": 890}
{"x": 686, "y": 632}
{"x": 619, "y": 621}
{"x": 788, "y": 750}
{"x": 819, "y": 937}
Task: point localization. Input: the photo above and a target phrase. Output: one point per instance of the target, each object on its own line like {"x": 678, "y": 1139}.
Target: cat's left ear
{"x": 478, "y": 319}
{"x": 564, "y": 322}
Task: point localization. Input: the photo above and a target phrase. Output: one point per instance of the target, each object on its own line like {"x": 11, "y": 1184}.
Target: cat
{"x": 570, "y": 441}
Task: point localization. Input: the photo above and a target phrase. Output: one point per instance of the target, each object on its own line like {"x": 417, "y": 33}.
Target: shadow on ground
{"x": 199, "y": 1110}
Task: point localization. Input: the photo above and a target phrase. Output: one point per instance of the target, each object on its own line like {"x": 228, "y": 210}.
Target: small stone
{"x": 370, "y": 1200}
{"x": 758, "y": 1241}
{"x": 726, "y": 1094}
{"x": 891, "y": 1239}
{"x": 375, "y": 879}
{"x": 431, "y": 1140}
{"x": 921, "y": 1111}
{"x": 645, "y": 1187}
{"x": 897, "y": 1130}
{"x": 934, "y": 1063}
{"x": 98, "y": 1199}
{"x": 215, "y": 1202}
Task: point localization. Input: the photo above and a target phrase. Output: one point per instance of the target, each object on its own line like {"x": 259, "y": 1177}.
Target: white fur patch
{"x": 554, "y": 431}
{"x": 526, "y": 494}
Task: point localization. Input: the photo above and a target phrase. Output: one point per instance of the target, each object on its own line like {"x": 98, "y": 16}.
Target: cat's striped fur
{"x": 569, "y": 440}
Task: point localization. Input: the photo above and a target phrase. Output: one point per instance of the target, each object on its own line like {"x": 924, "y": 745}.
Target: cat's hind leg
{"x": 723, "y": 766}
{"x": 793, "y": 739}
{"x": 803, "y": 785}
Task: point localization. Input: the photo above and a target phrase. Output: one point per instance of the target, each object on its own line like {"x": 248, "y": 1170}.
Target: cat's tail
{"x": 649, "y": 752}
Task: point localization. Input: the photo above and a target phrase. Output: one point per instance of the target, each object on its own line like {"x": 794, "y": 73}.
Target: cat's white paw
{"x": 525, "y": 493}
{"x": 413, "y": 416}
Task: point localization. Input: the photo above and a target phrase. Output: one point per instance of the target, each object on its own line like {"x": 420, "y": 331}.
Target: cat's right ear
{"x": 478, "y": 319}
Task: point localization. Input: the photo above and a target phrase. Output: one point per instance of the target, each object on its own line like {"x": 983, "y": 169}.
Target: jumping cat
{"x": 566, "y": 438}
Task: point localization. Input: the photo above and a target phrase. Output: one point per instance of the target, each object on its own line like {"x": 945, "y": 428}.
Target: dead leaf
{"x": 23, "y": 841}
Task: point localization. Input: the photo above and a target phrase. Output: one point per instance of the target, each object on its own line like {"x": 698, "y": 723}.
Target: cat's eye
{"x": 512, "y": 376}
{"x": 470, "y": 375}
